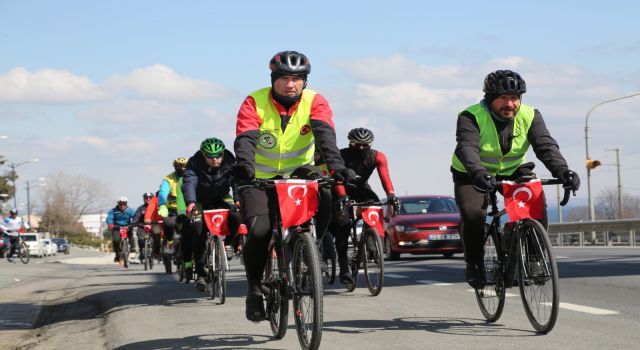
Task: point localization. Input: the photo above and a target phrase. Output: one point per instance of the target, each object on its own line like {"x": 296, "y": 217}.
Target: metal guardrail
{"x": 595, "y": 233}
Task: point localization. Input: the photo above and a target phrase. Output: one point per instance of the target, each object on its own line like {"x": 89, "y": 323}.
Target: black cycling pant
{"x": 340, "y": 225}
{"x": 115, "y": 235}
{"x": 473, "y": 213}
{"x": 169, "y": 225}
{"x": 14, "y": 241}
{"x": 258, "y": 207}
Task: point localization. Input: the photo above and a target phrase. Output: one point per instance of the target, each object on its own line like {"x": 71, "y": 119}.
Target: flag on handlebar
{"x": 372, "y": 216}
{"x": 523, "y": 201}
{"x": 216, "y": 220}
{"x": 298, "y": 200}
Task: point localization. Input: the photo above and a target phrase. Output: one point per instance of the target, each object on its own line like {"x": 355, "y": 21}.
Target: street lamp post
{"x": 37, "y": 182}
{"x": 13, "y": 167}
{"x": 586, "y": 144}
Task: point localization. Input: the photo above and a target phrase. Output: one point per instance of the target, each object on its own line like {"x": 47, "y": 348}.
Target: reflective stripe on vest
{"x": 279, "y": 153}
{"x": 172, "y": 202}
{"x": 490, "y": 153}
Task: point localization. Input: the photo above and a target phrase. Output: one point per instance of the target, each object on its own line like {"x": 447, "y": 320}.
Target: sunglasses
{"x": 360, "y": 145}
{"x": 214, "y": 155}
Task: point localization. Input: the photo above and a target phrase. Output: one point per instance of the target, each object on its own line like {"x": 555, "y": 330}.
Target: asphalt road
{"x": 83, "y": 301}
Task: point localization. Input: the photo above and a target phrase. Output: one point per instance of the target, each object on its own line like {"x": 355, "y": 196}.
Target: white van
{"x": 34, "y": 241}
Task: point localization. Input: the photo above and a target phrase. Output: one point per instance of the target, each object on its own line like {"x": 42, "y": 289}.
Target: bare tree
{"x": 67, "y": 197}
{"x": 608, "y": 206}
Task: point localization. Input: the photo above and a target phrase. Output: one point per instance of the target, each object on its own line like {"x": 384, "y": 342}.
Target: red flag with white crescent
{"x": 216, "y": 220}
{"x": 298, "y": 200}
{"x": 523, "y": 201}
{"x": 372, "y": 216}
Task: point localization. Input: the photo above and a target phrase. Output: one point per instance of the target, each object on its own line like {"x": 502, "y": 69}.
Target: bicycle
{"x": 367, "y": 249}
{"x": 148, "y": 251}
{"x": 293, "y": 272}
{"x": 215, "y": 265}
{"x": 124, "y": 246}
{"x": 524, "y": 245}
{"x": 23, "y": 252}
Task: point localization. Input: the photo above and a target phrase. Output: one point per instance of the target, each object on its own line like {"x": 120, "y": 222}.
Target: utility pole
{"x": 620, "y": 205}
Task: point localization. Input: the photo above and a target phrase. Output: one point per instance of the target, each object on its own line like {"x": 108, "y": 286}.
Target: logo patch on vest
{"x": 267, "y": 140}
{"x": 305, "y": 129}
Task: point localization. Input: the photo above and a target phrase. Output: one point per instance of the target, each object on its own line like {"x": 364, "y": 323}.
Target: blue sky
{"x": 116, "y": 90}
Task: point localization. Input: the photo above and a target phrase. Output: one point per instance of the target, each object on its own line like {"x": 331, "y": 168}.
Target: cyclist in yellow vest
{"x": 493, "y": 137}
{"x": 167, "y": 199}
{"x": 277, "y": 131}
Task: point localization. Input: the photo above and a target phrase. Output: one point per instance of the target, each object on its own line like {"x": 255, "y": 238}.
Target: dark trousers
{"x": 14, "y": 241}
{"x": 473, "y": 212}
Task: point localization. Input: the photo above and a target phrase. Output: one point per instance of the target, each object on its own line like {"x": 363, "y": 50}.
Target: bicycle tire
{"x": 329, "y": 255}
{"x": 373, "y": 261}
{"x": 148, "y": 252}
{"x": 492, "y": 296}
{"x": 538, "y": 276}
{"x": 166, "y": 259}
{"x": 220, "y": 272}
{"x": 241, "y": 241}
{"x": 307, "y": 279}
{"x": 24, "y": 253}
{"x": 210, "y": 279}
{"x": 277, "y": 299}
{"x": 354, "y": 262}
{"x": 125, "y": 253}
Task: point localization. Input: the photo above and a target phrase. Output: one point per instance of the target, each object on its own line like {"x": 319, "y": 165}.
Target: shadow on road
{"x": 208, "y": 341}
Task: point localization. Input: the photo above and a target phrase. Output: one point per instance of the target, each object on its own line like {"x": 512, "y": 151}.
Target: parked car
{"x": 63, "y": 245}
{"x": 36, "y": 247}
{"x": 50, "y": 248}
{"x": 423, "y": 225}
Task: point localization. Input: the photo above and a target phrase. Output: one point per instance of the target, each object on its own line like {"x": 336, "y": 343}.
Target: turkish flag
{"x": 523, "y": 201}
{"x": 216, "y": 220}
{"x": 372, "y": 216}
{"x": 298, "y": 200}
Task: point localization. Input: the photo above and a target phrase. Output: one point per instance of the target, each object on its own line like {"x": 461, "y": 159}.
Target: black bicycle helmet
{"x": 504, "y": 82}
{"x": 290, "y": 63}
{"x": 147, "y": 195}
{"x": 360, "y": 135}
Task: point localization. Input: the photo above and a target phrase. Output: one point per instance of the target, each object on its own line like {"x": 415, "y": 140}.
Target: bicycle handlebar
{"x": 264, "y": 184}
{"x": 525, "y": 179}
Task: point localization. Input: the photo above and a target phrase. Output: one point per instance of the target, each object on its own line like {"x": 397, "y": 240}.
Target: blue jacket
{"x": 120, "y": 218}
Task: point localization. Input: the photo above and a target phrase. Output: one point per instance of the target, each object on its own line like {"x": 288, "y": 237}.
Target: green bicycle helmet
{"x": 212, "y": 147}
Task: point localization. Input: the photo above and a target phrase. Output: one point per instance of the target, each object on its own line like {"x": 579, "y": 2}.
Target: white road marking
{"x": 17, "y": 280}
{"x": 508, "y": 295}
{"x": 587, "y": 309}
{"x": 394, "y": 275}
{"x": 434, "y": 283}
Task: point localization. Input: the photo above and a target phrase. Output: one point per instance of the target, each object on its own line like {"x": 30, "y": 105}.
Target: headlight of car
{"x": 406, "y": 228}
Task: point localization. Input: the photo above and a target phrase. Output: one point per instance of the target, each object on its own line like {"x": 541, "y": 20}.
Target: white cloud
{"x": 161, "y": 82}
{"x": 141, "y": 113}
{"x": 47, "y": 85}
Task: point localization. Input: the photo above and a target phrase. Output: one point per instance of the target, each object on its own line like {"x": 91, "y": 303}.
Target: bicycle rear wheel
{"x": 538, "y": 277}
{"x": 277, "y": 300}
{"x": 307, "y": 294}
{"x": 373, "y": 261}
{"x": 220, "y": 273}
{"x": 491, "y": 297}
{"x": 24, "y": 253}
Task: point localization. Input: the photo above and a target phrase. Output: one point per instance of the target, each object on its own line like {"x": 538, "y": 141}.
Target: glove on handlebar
{"x": 163, "y": 211}
{"x": 483, "y": 182}
{"x": 570, "y": 179}
{"x": 344, "y": 175}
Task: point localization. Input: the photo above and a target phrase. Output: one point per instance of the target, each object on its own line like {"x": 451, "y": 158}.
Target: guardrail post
{"x": 632, "y": 238}
{"x": 581, "y": 239}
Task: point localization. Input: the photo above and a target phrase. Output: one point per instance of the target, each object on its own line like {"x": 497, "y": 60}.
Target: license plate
{"x": 444, "y": 236}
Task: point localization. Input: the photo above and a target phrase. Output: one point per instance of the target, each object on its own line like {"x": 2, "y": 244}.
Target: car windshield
{"x": 59, "y": 241}
{"x": 29, "y": 238}
{"x": 427, "y": 206}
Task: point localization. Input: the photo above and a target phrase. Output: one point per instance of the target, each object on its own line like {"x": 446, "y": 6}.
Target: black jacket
{"x": 468, "y": 143}
{"x": 206, "y": 185}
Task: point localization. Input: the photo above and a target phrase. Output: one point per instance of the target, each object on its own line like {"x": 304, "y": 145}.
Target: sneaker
{"x": 475, "y": 275}
{"x": 201, "y": 284}
{"x": 345, "y": 278}
{"x": 116, "y": 259}
{"x": 255, "y": 308}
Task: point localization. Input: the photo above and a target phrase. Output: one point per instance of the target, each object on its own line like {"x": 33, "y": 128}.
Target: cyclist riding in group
{"x": 168, "y": 197}
{"x": 360, "y": 157}
{"x": 493, "y": 137}
{"x": 277, "y": 130}
{"x": 206, "y": 185}
{"x": 138, "y": 222}
{"x": 11, "y": 226}
{"x": 119, "y": 216}
{"x": 151, "y": 217}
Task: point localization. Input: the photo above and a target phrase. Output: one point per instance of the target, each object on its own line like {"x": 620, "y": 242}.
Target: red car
{"x": 423, "y": 225}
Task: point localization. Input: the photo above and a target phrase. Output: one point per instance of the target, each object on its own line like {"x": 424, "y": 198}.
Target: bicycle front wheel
{"x": 307, "y": 293}
{"x": 373, "y": 261}
{"x": 209, "y": 267}
{"x": 538, "y": 277}
{"x": 277, "y": 300}
{"x": 125, "y": 253}
{"x": 491, "y": 297}
{"x": 148, "y": 253}
{"x": 220, "y": 274}
{"x": 24, "y": 254}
